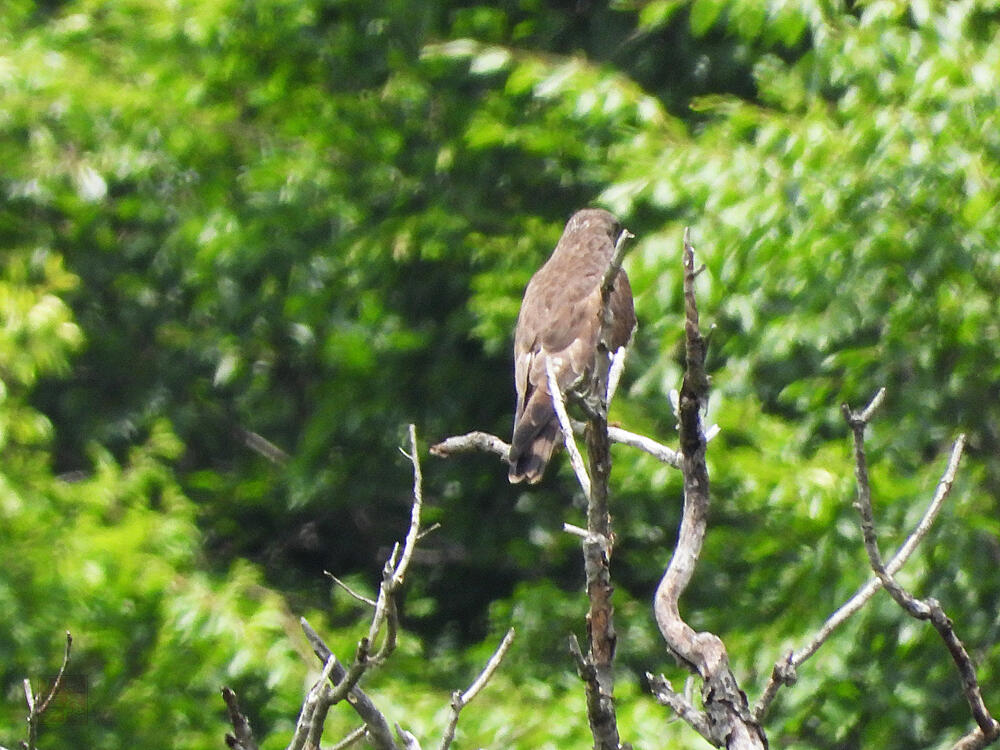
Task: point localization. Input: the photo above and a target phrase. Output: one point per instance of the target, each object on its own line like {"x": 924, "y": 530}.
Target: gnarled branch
{"x": 727, "y": 720}
{"x": 785, "y": 670}
{"x": 920, "y": 609}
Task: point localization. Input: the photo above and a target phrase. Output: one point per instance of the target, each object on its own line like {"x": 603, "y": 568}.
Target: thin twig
{"x": 57, "y": 683}
{"x": 351, "y": 738}
{"x": 667, "y": 696}
{"x": 460, "y": 700}
{"x": 418, "y": 501}
{"x": 784, "y": 672}
{"x": 378, "y": 727}
{"x": 615, "y": 372}
{"x": 38, "y": 705}
{"x": 657, "y": 450}
{"x": 409, "y": 740}
{"x": 393, "y": 575}
{"x": 312, "y": 717}
{"x": 428, "y": 530}
{"x": 921, "y": 609}
{"x": 360, "y": 597}
{"x": 558, "y": 401}
{"x": 491, "y": 667}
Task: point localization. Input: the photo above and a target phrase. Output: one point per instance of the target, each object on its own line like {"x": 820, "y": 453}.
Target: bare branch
{"x": 491, "y": 667}
{"x": 665, "y": 695}
{"x": 410, "y": 742}
{"x": 615, "y": 372}
{"x": 376, "y": 723}
{"x": 57, "y": 683}
{"x": 37, "y": 705}
{"x": 393, "y": 575}
{"x": 611, "y": 272}
{"x": 262, "y": 446}
{"x": 921, "y": 609}
{"x": 243, "y": 737}
{"x": 429, "y": 530}
{"x": 484, "y": 442}
{"x": 472, "y": 441}
{"x": 312, "y": 717}
{"x": 730, "y": 723}
{"x": 869, "y": 411}
{"x": 598, "y": 677}
{"x": 351, "y": 738}
{"x": 784, "y": 672}
{"x": 418, "y": 501}
{"x": 974, "y": 740}
{"x": 460, "y": 700}
{"x": 657, "y": 450}
{"x": 360, "y": 597}
{"x": 559, "y": 402}
{"x": 600, "y": 709}
{"x": 857, "y": 423}
{"x": 321, "y": 696}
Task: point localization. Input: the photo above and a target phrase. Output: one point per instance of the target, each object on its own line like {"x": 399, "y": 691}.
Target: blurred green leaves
{"x": 312, "y": 222}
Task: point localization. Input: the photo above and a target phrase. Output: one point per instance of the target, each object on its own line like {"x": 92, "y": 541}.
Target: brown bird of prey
{"x": 560, "y": 320}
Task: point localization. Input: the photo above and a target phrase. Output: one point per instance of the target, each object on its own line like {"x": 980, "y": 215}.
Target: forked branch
{"x": 460, "y": 700}
{"x": 922, "y": 609}
{"x": 726, "y": 720}
{"x": 39, "y": 704}
{"x": 785, "y": 670}
{"x": 337, "y": 682}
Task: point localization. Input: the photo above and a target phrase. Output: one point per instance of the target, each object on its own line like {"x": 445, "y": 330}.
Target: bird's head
{"x": 594, "y": 219}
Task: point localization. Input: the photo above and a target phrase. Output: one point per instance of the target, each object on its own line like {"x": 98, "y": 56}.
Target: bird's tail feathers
{"x": 534, "y": 440}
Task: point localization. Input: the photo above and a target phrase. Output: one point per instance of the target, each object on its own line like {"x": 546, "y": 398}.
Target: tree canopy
{"x": 244, "y": 244}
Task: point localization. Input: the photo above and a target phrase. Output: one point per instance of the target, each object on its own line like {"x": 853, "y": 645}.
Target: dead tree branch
{"x": 470, "y": 442}
{"x": 660, "y": 452}
{"x": 727, "y": 720}
{"x": 920, "y": 609}
{"x": 351, "y": 738}
{"x": 242, "y": 739}
{"x": 484, "y": 442}
{"x": 322, "y": 696}
{"x": 337, "y": 682}
{"x": 559, "y": 403}
{"x": 38, "y": 705}
{"x": 460, "y": 700}
{"x": 376, "y": 725}
{"x": 597, "y": 667}
{"x": 785, "y": 670}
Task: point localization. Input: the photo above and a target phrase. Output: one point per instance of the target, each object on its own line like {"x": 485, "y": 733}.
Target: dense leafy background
{"x": 312, "y": 222}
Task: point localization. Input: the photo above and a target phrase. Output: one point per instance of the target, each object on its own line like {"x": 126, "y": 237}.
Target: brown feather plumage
{"x": 560, "y": 319}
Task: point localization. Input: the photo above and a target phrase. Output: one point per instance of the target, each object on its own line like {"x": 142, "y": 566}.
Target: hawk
{"x": 560, "y": 320}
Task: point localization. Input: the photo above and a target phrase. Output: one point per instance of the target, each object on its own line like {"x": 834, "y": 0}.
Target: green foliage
{"x": 311, "y": 222}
